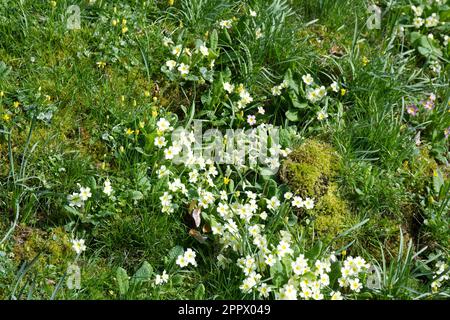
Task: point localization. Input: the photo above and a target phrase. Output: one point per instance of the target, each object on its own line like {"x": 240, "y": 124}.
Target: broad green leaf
{"x": 199, "y": 292}
{"x": 145, "y": 272}
{"x": 122, "y": 280}
{"x": 292, "y": 115}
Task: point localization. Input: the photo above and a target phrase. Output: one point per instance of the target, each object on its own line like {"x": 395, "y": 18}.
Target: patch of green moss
{"x": 310, "y": 168}
{"x": 53, "y": 246}
{"x": 331, "y": 214}
{"x": 310, "y": 171}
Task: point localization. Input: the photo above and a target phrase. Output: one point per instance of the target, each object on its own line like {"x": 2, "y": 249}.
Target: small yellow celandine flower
{"x": 124, "y": 29}
{"x": 170, "y": 2}
{"x": 129, "y": 131}
{"x": 344, "y": 252}
{"x": 136, "y": 132}
{"x": 435, "y": 174}
{"x": 365, "y": 61}
{"x": 101, "y": 64}
{"x": 154, "y": 113}
{"x": 124, "y": 21}
{"x": 6, "y": 117}
{"x": 114, "y": 22}
{"x": 48, "y": 98}
{"x": 155, "y": 99}
{"x": 147, "y": 93}
{"x": 16, "y": 104}
{"x": 122, "y": 98}
{"x": 2, "y": 94}
{"x": 226, "y": 180}
{"x": 343, "y": 92}
{"x": 53, "y": 3}
{"x": 142, "y": 124}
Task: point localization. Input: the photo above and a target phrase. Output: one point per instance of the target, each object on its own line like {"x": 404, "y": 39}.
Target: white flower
{"x": 184, "y": 69}
{"x": 204, "y": 50}
{"x": 261, "y": 110}
{"x": 322, "y": 115}
{"x": 161, "y": 279}
{"x": 355, "y": 285}
{"x": 308, "y": 79}
{"x": 297, "y": 202}
{"x": 300, "y": 265}
{"x": 418, "y": 22}
{"x": 78, "y": 245}
{"x": 228, "y": 87}
{"x": 225, "y": 24}
{"x": 288, "y": 292}
{"x": 193, "y": 176}
{"x": 75, "y": 200}
{"x": 246, "y": 98}
{"x": 169, "y": 153}
{"x": 336, "y": 295}
{"x": 222, "y": 209}
{"x": 160, "y": 142}
{"x": 166, "y": 199}
{"x": 171, "y": 64}
{"x": 85, "y": 193}
{"x": 432, "y": 21}
{"x": 181, "y": 261}
{"x": 270, "y": 260}
{"x": 273, "y": 203}
{"x": 163, "y": 125}
{"x": 264, "y": 290}
{"x": 189, "y": 256}
{"x": 284, "y": 248}
{"x": 223, "y": 195}
{"x": 167, "y": 41}
{"x": 308, "y": 203}
{"x": 288, "y": 195}
{"x": 162, "y": 172}
{"x": 263, "y": 215}
{"x": 176, "y": 51}
{"x": 258, "y": 33}
{"x": 334, "y": 86}
{"x": 276, "y": 91}
{"x": 107, "y": 189}
{"x": 417, "y": 10}
{"x": 252, "y": 13}
{"x": 251, "y": 120}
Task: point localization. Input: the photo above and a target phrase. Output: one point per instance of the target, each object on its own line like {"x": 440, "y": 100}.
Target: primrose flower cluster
{"x": 78, "y": 199}
{"x": 441, "y": 275}
{"x": 240, "y": 222}
{"x": 426, "y": 23}
{"x": 195, "y": 62}
{"x": 249, "y": 224}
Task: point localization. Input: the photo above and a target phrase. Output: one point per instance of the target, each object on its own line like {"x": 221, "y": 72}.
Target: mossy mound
{"x": 310, "y": 171}
{"x": 310, "y": 168}
{"x": 331, "y": 214}
{"x": 53, "y": 247}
